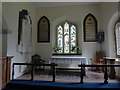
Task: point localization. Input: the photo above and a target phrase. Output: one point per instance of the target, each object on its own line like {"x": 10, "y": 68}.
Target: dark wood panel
{"x": 6, "y": 69}
{"x": 90, "y": 28}
{"x": 43, "y": 34}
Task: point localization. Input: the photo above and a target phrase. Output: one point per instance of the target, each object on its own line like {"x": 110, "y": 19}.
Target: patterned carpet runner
{"x": 67, "y": 76}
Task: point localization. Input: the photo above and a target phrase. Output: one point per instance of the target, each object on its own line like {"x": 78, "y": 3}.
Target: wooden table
{"x": 111, "y": 70}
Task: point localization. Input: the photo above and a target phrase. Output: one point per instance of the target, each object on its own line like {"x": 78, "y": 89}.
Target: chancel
{"x": 60, "y": 45}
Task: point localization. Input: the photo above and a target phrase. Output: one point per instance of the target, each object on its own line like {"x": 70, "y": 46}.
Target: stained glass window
{"x": 60, "y": 39}
{"x": 73, "y": 37}
{"x": 66, "y": 38}
{"x": 117, "y": 34}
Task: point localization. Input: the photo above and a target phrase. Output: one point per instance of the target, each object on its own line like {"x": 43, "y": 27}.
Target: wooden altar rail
{"x": 105, "y": 70}
{"x": 52, "y": 65}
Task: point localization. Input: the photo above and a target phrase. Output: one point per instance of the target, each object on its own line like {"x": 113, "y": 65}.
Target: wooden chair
{"x": 98, "y": 60}
{"x": 36, "y": 59}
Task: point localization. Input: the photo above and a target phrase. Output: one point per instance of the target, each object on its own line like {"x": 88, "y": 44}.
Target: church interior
{"x": 54, "y": 44}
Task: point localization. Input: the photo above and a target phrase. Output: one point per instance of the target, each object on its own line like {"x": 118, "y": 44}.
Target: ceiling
{"x": 54, "y": 4}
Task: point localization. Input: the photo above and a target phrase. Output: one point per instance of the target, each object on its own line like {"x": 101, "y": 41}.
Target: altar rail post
{"x": 32, "y": 71}
{"x": 105, "y": 72}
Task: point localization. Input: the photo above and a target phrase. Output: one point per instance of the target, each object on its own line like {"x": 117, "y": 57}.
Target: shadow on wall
{"x": 111, "y": 36}
{"x": 4, "y": 37}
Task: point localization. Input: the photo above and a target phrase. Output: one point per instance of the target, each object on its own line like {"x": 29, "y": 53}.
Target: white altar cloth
{"x": 68, "y": 60}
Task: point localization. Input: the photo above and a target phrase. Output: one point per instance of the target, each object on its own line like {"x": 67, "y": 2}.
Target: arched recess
{"x": 111, "y": 36}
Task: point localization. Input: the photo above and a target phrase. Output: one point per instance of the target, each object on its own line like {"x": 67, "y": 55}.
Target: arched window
{"x": 90, "y": 28}
{"x": 117, "y": 38}
{"x": 43, "y": 30}
{"x": 66, "y": 38}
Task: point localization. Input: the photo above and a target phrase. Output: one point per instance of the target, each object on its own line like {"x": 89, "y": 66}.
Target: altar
{"x": 68, "y": 60}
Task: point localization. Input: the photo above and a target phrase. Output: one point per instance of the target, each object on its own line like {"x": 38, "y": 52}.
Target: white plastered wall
{"x": 107, "y": 10}
{"x": 75, "y": 14}
{"x": 112, "y": 49}
{"x": 109, "y": 17}
{"x": 11, "y": 17}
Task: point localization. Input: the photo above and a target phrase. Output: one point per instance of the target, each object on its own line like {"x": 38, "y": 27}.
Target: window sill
{"x": 62, "y": 54}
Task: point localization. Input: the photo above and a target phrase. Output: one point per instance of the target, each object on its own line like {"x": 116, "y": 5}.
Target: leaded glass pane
{"x": 73, "y": 38}
{"x": 60, "y": 39}
{"x": 117, "y": 31}
{"x": 66, "y": 38}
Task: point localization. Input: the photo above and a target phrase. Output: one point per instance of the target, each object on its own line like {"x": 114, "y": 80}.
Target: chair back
{"x": 99, "y": 55}
{"x": 36, "y": 58}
